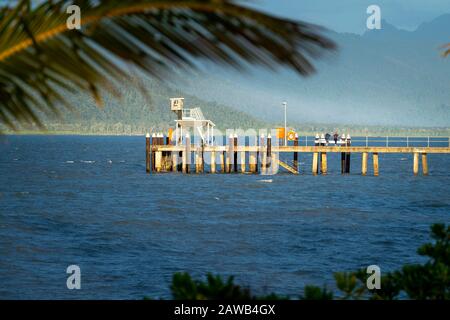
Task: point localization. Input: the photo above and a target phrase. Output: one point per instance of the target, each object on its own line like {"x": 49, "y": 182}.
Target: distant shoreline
{"x": 418, "y": 133}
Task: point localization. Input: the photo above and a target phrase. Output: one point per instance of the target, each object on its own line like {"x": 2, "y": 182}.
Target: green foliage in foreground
{"x": 429, "y": 281}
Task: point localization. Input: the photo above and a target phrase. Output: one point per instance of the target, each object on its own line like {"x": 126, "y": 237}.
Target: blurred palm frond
{"x": 40, "y": 58}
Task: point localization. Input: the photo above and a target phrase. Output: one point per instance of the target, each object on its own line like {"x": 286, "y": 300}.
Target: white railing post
{"x": 428, "y": 142}
{"x": 367, "y": 141}
{"x": 306, "y": 141}
{"x": 387, "y": 141}
{"x": 407, "y": 141}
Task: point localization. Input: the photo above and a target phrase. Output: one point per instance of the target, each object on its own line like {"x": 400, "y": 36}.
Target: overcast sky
{"x": 350, "y": 15}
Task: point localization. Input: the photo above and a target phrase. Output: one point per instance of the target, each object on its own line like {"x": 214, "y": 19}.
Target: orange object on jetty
{"x": 280, "y": 133}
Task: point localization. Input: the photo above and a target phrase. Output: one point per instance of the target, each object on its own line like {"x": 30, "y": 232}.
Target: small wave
{"x": 266, "y": 180}
{"x": 109, "y": 161}
{"x": 70, "y": 161}
{"x": 87, "y": 161}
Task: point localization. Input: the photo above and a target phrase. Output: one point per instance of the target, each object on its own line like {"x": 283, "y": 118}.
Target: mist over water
{"x": 88, "y": 201}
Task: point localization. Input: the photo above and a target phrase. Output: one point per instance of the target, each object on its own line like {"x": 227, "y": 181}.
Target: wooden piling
{"x": 269, "y": 153}
{"x": 213, "y": 162}
{"x": 343, "y": 162}
{"x": 198, "y": 161}
{"x": 323, "y": 163}
{"x": 416, "y": 164}
{"x": 424, "y": 164}
{"x": 153, "y": 153}
{"x": 235, "y": 154}
{"x": 186, "y": 167}
{"x": 243, "y": 157}
{"x": 315, "y": 163}
{"x": 263, "y": 154}
{"x": 147, "y": 153}
{"x": 252, "y": 156}
{"x": 174, "y": 161}
{"x": 295, "y": 163}
{"x": 364, "y": 163}
{"x": 230, "y": 154}
{"x": 347, "y": 162}
{"x": 222, "y": 162}
{"x": 375, "y": 164}
{"x": 348, "y": 154}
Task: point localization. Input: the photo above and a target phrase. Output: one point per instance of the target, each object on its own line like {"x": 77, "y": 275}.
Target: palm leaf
{"x": 447, "y": 50}
{"x": 40, "y": 57}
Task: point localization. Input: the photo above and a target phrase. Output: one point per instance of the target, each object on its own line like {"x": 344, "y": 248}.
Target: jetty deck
{"x": 163, "y": 156}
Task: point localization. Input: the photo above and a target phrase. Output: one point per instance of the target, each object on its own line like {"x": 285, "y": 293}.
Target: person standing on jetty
{"x": 335, "y": 137}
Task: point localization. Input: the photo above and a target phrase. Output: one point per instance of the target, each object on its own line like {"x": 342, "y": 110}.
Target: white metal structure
{"x": 191, "y": 121}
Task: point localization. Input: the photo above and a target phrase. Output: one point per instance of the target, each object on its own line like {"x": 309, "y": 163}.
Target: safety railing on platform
{"x": 387, "y": 141}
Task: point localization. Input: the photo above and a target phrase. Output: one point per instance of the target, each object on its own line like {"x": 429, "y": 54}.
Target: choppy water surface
{"x": 87, "y": 201}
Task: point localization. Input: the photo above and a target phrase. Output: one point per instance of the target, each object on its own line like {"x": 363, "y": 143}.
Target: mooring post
{"x": 158, "y": 155}
{"x": 202, "y": 157}
{"x": 230, "y": 154}
{"x": 269, "y": 153}
{"x": 222, "y": 162}
{"x": 315, "y": 163}
{"x": 364, "y": 163}
{"x": 295, "y": 163}
{"x": 243, "y": 156}
{"x": 153, "y": 153}
{"x": 416, "y": 164}
{"x": 348, "y": 154}
{"x": 343, "y": 156}
{"x": 168, "y": 159}
{"x": 263, "y": 154}
{"x": 187, "y": 155}
{"x": 375, "y": 164}
{"x": 235, "y": 154}
{"x": 198, "y": 160}
{"x": 174, "y": 161}
{"x": 424, "y": 164}
{"x": 147, "y": 153}
{"x": 323, "y": 163}
{"x": 213, "y": 162}
{"x": 252, "y": 157}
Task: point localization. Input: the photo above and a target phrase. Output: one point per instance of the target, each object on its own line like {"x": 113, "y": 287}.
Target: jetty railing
{"x": 388, "y": 141}
{"x": 260, "y": 154}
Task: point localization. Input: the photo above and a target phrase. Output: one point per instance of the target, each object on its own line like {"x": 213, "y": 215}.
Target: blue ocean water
{"x": 87, "y": 201}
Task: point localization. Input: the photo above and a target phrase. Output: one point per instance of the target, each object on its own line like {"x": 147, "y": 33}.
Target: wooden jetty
{"x": 162, "y": 155}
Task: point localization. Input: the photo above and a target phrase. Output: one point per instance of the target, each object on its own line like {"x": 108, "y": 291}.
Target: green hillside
{"x": 137, "y": 112}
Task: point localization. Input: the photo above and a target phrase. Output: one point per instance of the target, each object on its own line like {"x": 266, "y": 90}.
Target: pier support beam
{"x": 186, "y": 168}
{"x": 235, "y": 154}
{"x": 323, "y": 162}
{"x": 230, "y": 154}
{"x": 252, "y": 162}
{"x": 243, "y": 160}
{"x": 174, "y": 161}
{"x": 375, "y": 164}
{"x": 269, "y": 154}
{"x": 222, "y": 162}
{"x": 263, "y": 154}
{"x": 343, "y": 162}
{"x": 315, "y": 163}
{"x": 364, "y": 163}
{"x": 295, "y": 163}
{"x": 213, "y": 162}
{"x": 147, "y": 153}
{"x": 424, "y": 164}
{"x": 416, "y": 164}
{"x": 198, "y": 161}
